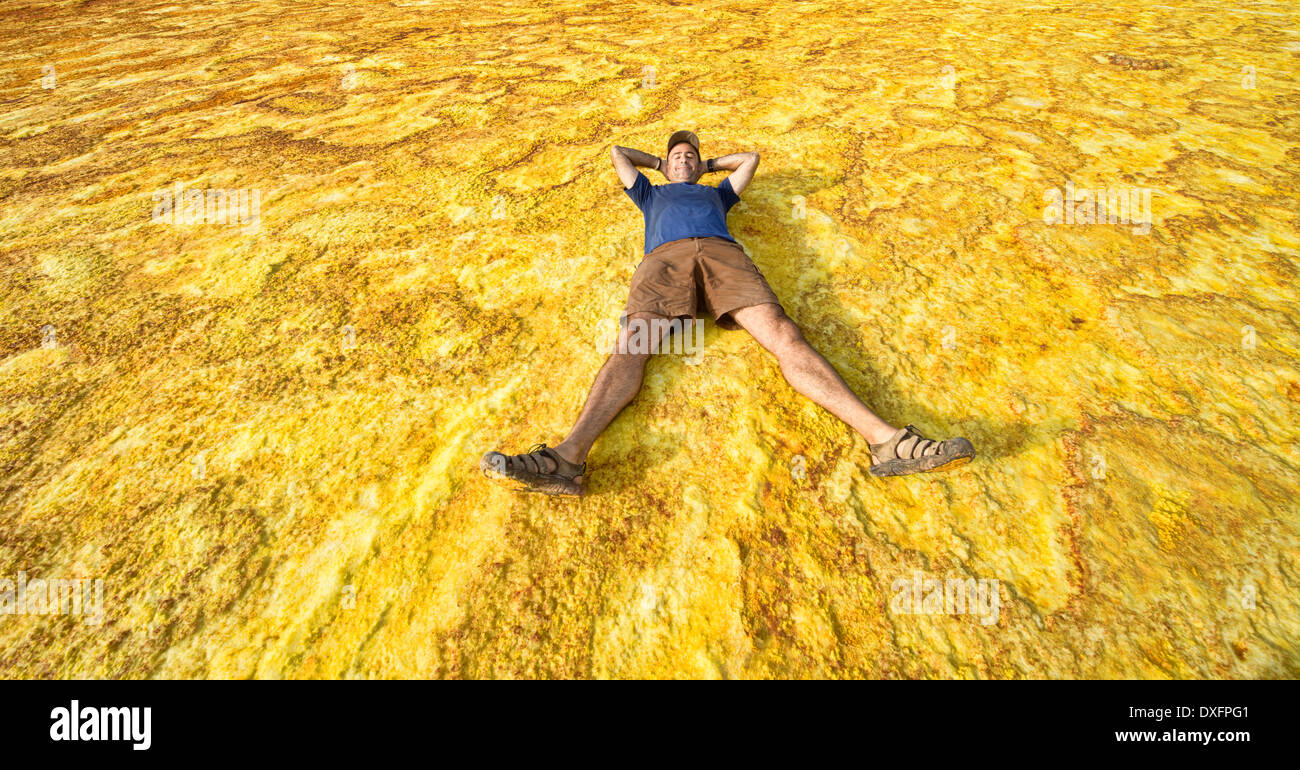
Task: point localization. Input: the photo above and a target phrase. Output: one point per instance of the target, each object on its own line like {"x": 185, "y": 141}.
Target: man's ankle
{"x": 568, "y": 454}
{"x": 884, "y": 436}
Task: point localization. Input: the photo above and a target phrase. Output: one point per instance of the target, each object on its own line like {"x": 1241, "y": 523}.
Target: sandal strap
{"x": 561, "y": 463}
{"x": 530, "y": 461}
{"x": 916, "y": 445}
{"x": 555, "y": 458}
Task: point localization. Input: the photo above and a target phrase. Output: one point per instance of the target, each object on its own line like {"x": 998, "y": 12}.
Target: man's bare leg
{"x": 617, "y": 383}
{"x": 808, "y": 372}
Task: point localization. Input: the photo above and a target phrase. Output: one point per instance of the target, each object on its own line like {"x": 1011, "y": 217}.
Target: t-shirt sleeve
{"x": 639, "y": 192}
{"x": 729, "y": 196}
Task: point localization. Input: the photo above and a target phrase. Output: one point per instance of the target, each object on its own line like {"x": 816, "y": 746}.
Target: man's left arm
{"x": 742, "y": 166}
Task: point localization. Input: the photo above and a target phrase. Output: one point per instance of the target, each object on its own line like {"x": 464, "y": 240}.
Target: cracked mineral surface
{"x": 276, "y": 275}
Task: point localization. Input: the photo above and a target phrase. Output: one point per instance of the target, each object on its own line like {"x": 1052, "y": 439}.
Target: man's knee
{"x": 789, "y": 333}
{"x": 783, "y": 334}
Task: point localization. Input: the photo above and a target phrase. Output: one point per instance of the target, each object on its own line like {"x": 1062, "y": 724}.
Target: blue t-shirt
{"x": 682, "y": 210}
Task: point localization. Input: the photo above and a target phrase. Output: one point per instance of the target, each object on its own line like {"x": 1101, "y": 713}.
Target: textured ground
{"x": 265, "y": 443}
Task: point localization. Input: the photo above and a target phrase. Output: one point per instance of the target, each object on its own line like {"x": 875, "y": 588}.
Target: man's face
{"x": 683, "y": 164}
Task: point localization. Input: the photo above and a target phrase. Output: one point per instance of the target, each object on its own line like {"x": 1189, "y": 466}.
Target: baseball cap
{"x": 683, "y": 136}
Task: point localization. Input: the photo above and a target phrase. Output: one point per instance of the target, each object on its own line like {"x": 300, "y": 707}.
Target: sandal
{"x": 529, "y": 472}
{"x": 910, "y": 452}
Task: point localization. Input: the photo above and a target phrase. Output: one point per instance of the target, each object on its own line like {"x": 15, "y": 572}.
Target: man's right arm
{"x": 626, "y": 160}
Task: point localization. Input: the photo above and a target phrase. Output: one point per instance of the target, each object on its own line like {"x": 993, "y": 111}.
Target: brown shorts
{"x": 672, "y": 278}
